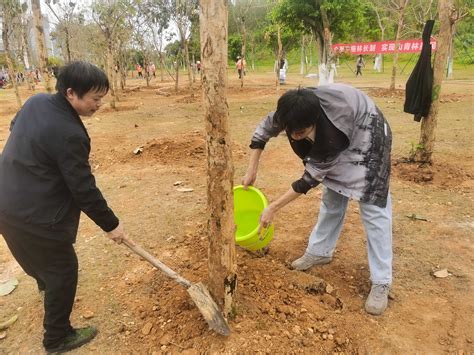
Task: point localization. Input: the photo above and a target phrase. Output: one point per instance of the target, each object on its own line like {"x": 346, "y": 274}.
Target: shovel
{"x": 198, "y": 292}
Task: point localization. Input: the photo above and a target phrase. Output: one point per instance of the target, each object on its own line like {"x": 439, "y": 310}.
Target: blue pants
{"x": 378, "y": 226}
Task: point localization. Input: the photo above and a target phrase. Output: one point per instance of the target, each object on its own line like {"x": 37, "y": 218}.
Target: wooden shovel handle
{"x": 156, "y": 263}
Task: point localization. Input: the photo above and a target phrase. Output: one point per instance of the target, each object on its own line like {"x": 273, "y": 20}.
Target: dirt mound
{"x": 382, "y": 92}
{"x": 180, "y": 149}
{"x": 276, "y": 306}
{"x": 118, "y": 108}
{"x": 441, "y": 174}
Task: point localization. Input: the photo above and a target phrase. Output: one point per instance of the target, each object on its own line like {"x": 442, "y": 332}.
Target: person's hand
{"x": 118, "y": 234}
{"x": 266, "y": 218}
{"x": 249, "y": 178}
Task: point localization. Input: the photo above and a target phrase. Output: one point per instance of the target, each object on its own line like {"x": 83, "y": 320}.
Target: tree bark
{"x": 401, "y": 9}
{"x": 428, "y": 125}
{"x": 43, "y": 55}
{"x": 220, "y": 224}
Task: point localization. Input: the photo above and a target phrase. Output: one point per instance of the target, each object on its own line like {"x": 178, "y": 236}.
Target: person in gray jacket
{"x": 45, "y": 183}
{"x": 345, "y": 144}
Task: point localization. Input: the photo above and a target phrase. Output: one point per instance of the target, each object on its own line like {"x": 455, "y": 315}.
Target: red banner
{"x": 404, "y": 46}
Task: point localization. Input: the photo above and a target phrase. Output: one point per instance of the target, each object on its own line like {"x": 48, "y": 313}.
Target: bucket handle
{"x": 263, "y": 232}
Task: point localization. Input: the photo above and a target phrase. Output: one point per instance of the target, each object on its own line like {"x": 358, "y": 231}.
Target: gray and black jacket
{"x": 357, "y": 163}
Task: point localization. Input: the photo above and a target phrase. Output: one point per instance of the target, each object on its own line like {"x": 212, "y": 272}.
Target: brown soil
{"x": 139, "y": 310}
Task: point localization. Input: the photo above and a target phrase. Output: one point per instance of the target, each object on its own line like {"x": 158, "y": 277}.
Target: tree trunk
{"x": 68, "y": 46}
{"x": 111, "y": 74}
{"x": 8, "y": 55}
{"x": 244, "y": 52}
{"x": 221, "y": 228}
{"x": 162, "y": 67}
{"x": 428, "y": 125}
{"x": 176, "y": 84}
{"x": 279, "y": 58}
{"x": 188, "y": 65}
{"x": 401, "y": 9}
{"x": 302, "y": 55}
{"x": 327, "y": 75}
{"x": 43, "y": 55}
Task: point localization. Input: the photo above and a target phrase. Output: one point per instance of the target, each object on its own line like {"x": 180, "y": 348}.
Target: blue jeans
{"x": 378, "y": 226}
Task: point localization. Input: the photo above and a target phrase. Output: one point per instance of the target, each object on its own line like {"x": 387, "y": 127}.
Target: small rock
{"x": 330, "y": 337}
{"x": 297, "y": 330}
{"x": 88, "y": 315}
{"x": 147, "y": 328}
{"x": 325, "y": 336}
{"x": 3, "y": 335}
{"x": 184, "y": 189}
{"x": 178, "y": 183}
{"x": 329, "y": 288}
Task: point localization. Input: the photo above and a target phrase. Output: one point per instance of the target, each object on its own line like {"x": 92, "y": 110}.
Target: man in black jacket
{"x": 45, "y": 183}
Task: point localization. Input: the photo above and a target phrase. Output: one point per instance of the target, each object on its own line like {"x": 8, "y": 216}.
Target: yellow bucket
{"x": 248, "y": 205}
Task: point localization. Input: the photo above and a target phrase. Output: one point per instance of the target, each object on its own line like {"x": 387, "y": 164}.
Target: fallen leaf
{"x": 184, "y": 189}
{"x": 147, "y": 328}
{"x": 138, "y": 150}
{"x": 8, "y": 286}
{"x": 8, "y": 323}
{"x": 441, "y": 273}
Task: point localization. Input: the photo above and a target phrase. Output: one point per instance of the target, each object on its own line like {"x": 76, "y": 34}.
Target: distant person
{"x": 139, "y": 69}
{"x": 378, "y": 63}
{"x": 198, "y": 66}
{"x": 344, "y": 142}
{"x": 240, "y": 65}
{"x": 283, "y": 67}
{"x": 45, "y": 183}
{"x": 359, "y": 65}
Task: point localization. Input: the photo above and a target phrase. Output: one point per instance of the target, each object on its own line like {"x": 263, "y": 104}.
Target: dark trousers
{"x": 53, "y": 264}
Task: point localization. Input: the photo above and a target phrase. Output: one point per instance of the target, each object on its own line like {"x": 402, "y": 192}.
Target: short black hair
{"x": 81, "y": 77}
{"x": 297, "y": 109}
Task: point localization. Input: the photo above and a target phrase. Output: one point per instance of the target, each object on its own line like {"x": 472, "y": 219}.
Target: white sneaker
{"x": 308, "y": 260}
{"x": 378, "y": 299}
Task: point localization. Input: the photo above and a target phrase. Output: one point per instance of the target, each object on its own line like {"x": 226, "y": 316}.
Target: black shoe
{"x": 77, "y": 338}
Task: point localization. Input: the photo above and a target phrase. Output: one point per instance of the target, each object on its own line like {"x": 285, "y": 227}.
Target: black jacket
{"x": 419, "y": 86}
{"x": 45, "y": 176}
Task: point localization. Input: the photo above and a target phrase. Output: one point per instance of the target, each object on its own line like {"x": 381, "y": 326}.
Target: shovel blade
{"x": 208, "y": 308}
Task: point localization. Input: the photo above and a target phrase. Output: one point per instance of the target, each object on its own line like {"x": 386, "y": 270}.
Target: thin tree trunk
{"x": 43, "y": 55}
{"x": 302, "y": 55}
{"x": 162, "y": 65}
{"x": 244, "y": 52}
{"x": 221, "y": 228}
{"x": 401, "y": 9}
{"x": 8, "y": 55}
{"x": 188, "y": 65}
{"x": 176, "y": 84}
{"x": 428, "y": 124}
{"x": 111, "y": 74}
{"x": 279, "y": 58}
